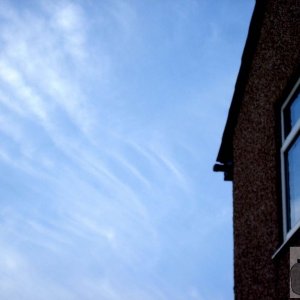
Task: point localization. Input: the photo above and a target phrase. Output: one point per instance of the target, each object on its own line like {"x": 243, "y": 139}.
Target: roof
{"x": 225, "y": 155}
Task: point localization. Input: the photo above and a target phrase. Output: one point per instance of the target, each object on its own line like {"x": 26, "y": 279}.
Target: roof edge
{"x": 225, "y": 154}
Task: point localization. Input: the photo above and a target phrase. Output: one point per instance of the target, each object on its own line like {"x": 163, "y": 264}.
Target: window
{"x": 290, "y": 161}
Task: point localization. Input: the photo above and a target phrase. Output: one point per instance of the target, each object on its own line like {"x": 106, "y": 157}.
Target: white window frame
{"x": 285, "y": 143}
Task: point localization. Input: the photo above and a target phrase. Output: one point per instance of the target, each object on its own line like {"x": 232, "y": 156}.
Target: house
{"x": 260, "y": 152}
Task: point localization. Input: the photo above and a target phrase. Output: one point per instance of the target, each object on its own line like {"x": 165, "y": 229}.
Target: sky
{"x": 111, "y": 117}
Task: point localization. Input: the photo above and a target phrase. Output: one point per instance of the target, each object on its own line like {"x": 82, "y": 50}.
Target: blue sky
{"x": 111, "y": 115}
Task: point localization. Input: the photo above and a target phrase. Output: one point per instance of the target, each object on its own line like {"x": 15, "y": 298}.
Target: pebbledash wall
{"x": 249, "y": 154}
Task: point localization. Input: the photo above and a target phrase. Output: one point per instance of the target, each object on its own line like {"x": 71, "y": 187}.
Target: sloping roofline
{"x": 225, "y": 155}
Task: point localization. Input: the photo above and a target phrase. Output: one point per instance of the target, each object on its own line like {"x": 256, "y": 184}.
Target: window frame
{"x": 287, "y": 141}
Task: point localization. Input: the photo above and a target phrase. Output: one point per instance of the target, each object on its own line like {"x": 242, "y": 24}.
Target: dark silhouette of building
{"x": 260, "y": 152}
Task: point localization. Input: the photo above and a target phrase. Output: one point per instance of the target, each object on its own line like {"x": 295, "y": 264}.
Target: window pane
{"x": 294, "y": 182}
{"x": 291, "y": 115}
{"x": 295, "y": 111}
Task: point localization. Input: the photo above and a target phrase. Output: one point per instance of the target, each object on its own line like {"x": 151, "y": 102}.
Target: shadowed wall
{"x": 256, "y": 148}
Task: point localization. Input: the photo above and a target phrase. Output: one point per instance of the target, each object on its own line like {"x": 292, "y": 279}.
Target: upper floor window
{"x": 290, "y": 161}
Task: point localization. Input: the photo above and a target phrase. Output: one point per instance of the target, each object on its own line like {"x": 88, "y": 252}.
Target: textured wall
{"x": 257, "y": 198}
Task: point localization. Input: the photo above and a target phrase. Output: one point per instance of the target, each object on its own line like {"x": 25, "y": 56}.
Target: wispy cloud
{"x": 68, "y": 20}
{"x": 36, "y": 63}
{"x": 16, "y": 82}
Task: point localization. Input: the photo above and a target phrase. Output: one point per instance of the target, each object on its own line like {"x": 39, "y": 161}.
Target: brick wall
{"x": 256, "y": 146}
